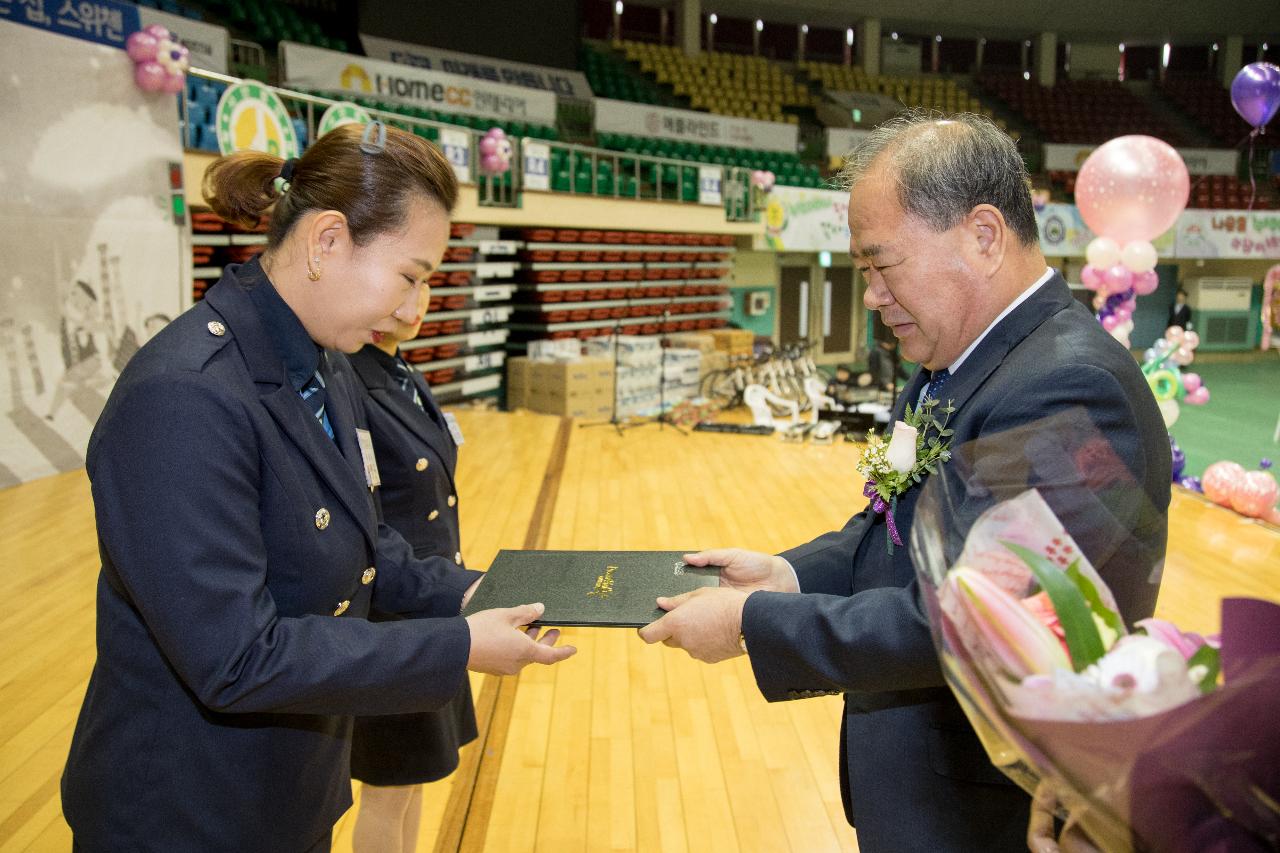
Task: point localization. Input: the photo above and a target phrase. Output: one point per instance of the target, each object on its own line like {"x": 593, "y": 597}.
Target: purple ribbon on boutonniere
{"x": 880, "y": 505}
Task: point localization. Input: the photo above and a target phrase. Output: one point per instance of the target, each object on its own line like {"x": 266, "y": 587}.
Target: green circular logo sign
{"x": 342, "y": 113}
{"x": 252, "y": 117}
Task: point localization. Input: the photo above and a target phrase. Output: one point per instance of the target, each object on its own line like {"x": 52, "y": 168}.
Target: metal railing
{"x": 655, "y": 178}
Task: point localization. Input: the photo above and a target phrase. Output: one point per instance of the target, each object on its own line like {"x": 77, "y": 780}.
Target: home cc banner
{"x": 317, "y": 68}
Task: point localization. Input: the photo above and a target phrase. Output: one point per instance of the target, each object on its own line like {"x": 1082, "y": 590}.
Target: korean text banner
{"x": 807, "y": 220}
{"x": 690, "y": 126}
{"x": 316, "y": 68}
{"x": 559, "y": 81}
{"x": 103, "y": 21}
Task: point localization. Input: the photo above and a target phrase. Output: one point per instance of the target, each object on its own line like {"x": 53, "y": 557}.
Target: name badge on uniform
{"x": 366, "y": 456}
{"x": 454, "y": 429}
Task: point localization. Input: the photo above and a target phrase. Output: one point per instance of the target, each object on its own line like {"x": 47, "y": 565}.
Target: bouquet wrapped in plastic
{"x": 1151, "y": 738}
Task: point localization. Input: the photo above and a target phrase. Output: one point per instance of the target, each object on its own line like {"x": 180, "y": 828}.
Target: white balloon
{"x": 1169, "y": 411}
{"x": 1103, "y": 252}
{"x": 1139, "y": 256}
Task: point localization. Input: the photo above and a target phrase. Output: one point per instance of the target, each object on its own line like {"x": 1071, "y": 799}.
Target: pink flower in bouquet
{"x": 1184, "y": 642}
{"x": 1042, "y": 608}
{"x": 1021, "y": 644}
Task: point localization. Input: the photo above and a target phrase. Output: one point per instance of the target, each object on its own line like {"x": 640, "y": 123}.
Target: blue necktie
{"x": 936, "y": 383}
{"x": 314, "y": 395}
{"x": 404, "y": 377}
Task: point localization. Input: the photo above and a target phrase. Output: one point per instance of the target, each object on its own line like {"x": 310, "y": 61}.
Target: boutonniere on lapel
{"x": 918, "y": 444}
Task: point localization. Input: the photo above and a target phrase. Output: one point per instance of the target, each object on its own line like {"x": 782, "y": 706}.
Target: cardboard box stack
{"x": 734, "y": 341}
{"x": 556, "y": 380}
{"x": 705, "y": 344}
{"x": 682, "y": 371}
{"x": 639, "y": 359}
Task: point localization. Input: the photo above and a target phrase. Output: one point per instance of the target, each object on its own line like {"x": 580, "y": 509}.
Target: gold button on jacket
{"x": 433, "y": 515}
{"x": 342, "y": 608}
{"x": 457, "y": 558}
{"x": 453, "y": 499}
{"x": 368, "y": 576}
{"x": 422, "y": 464}
{"x": 322, "y": 518}
{"x": 216, "y": 329}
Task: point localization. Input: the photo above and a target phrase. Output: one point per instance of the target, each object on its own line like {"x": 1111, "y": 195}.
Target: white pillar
{"x": 689, "y": 26}
{"x": 936, "y": 55}
{"x": 801, "y": 31}
{"x": 1232, "y": 61}
{"x": 977, "y": 59}
{"x": 1047, "y": 59}
{"x": 869, "y": 45}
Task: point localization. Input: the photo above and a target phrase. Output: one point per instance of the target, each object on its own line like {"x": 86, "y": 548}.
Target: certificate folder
{"x": 601, "y": 589}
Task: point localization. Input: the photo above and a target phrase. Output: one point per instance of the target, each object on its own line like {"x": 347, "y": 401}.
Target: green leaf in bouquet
{"x": 1084, "y": 643}
{"x": 1208, "y": 657}
{"x": 1109, "y": 617}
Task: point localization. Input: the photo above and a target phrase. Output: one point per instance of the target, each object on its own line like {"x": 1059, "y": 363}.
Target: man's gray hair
{"x": 945, "y": 166}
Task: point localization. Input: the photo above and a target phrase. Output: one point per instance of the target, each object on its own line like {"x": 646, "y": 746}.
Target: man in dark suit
{"x": 1180, "y": 311}
{"x": 943, "y": 230}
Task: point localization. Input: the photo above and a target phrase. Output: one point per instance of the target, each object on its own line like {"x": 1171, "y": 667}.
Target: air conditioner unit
{"x": 1219, "y": 293}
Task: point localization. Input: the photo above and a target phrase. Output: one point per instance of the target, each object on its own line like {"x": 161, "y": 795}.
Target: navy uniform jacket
{"x": 1046, "y": 389}
{"x": 241, "y": 551}
{"x": 417, "y": 458}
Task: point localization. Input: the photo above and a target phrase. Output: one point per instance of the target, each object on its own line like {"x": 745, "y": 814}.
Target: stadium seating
{"x": 723, "y": 83}
{"x": 1079, "y": 111}
{"x": 1208, "y": 103}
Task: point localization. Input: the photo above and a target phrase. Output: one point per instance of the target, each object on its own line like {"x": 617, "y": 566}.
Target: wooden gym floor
{"x": 625, "y": 746}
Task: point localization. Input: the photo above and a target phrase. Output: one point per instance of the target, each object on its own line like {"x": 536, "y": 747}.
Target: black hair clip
{"x": 374, "y": 140}
{"x": 283, "y": 182}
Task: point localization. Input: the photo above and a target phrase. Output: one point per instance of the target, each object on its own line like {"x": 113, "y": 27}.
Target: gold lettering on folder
{"x": 604, "y": 584}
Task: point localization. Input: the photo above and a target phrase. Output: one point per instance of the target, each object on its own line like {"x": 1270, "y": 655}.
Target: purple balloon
{"x": 141, "y": 46}
{"x": 1145, "y": 283}
{"x": 1255, "y": 93}
{"x": 1265, "y": 463}
{"x": 1090, "y": 276}
{"x": 1179, "y": 459}
{"x": 1192, "y": 483}
{"x": 1117, "y": 279}
{"x": 174, "y": 82}
{"x": 150, "y": 76}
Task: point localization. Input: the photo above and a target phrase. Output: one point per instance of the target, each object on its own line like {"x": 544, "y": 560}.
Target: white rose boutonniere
{"x": 918, "y": 444}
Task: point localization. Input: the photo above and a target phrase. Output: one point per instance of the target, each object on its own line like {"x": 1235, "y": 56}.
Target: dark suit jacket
{"x": 1180, "y": 315}
{"x": 236, "y": 540}
{"x": 417, "y": 458}
{"x": 1046, "y": 391}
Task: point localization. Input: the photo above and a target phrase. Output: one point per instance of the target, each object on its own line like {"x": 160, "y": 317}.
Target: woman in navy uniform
{"x": 416, "y": 446}
{"x": 239, "y": 533}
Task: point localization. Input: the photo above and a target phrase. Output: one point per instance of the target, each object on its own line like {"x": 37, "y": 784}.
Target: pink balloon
{"x": 1122, "y": 312}
{"x": 1219, "y": 481}
{"x": 174, "y": 83}
{"x": 1145, "y": 283}
{"x": 1198, "y": 397}
{"x": 141, "y": 46}
{"x": 1111, "y": 322}
{"x": 1255, "y": 494}
{"x": 159, "y": 31}
{"x": 1175, "y": 335}
{"x": 1091, "y": 277}
{"x": 1182, "y": 356}
{"x": 488, "y": 145}
{"x": 1132, "y": 188}
{"x": 1117, "y": 279}
{"x": 149, "y": 76}
{"x": 1191, "y": 381}
{"x": 1190, "y": 340}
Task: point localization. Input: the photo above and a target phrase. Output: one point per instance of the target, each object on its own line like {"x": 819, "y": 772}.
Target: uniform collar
{"x": 300, "y": 354}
